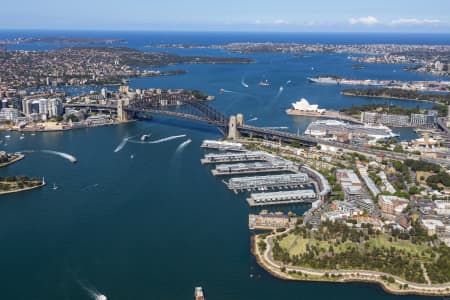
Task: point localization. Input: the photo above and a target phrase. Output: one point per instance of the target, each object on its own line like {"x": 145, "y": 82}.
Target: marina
{"x": 283, "y": 197}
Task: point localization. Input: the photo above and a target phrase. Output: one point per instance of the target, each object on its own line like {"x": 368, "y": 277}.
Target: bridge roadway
{"x": 270, "y": 133}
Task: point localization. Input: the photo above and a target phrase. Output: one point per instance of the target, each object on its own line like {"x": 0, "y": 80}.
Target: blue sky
{"x": 230, "y": 15}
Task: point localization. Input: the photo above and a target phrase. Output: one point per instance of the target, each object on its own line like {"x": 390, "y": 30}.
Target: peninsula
{"x": 15, "y": 184}
{"x": 7, "y": 159}
{"x": 396, "y": 93}
{"x": 80, "y": 66}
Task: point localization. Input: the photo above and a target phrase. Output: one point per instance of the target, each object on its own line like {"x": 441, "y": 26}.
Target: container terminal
{"x": 283, "y": 197}
{"x": 255, "y": 183}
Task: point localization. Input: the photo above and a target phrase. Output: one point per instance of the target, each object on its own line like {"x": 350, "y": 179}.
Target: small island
{"x": 9, "y": 158}
{"x": 15, "y": 184}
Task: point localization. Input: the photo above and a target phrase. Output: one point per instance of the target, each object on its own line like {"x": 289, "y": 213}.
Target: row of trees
{"x": 399, "y": 93}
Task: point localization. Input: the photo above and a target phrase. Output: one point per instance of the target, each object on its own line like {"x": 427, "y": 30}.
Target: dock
{"x": 255, "y": 167}
{"x": 228, "y": 157}
{"x": 223, "y": 146}
{"x": 255, "y": 183}
{"x": 284, "y": 197}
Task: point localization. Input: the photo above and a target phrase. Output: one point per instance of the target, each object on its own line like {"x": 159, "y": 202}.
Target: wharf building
{"x": 269, "y": 221}
{"x": 264, "y": 182}
{"x": 275, "y": 198}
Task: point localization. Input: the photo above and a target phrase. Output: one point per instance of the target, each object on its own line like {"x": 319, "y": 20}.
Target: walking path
{"x": 275, "y": 268}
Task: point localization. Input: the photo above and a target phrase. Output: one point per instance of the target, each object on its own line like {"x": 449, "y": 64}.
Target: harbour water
{"x": 149, "y": 221}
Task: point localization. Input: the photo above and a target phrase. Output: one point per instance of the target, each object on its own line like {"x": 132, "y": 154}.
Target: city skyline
{"x": 200, "y": 15}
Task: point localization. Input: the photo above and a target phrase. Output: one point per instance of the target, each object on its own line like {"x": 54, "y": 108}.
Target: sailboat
{"x": 55, "y": 187}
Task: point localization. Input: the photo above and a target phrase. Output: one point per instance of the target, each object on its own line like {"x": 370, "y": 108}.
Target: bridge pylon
{"x": 122, "y": 114}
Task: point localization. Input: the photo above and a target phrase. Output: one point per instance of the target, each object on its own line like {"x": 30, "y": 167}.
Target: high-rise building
{"x": 43, "y": 106}
{"x": 55, "y": 108}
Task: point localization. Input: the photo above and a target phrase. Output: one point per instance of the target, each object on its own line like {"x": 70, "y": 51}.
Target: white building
{"x": 9, "y": 114}
{"x": 303, "y": 105}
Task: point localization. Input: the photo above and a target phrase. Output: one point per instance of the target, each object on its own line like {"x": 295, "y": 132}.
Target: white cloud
{"x": 414, "y": 21}
{"x": 280, "y": 22}
{"x": 272, "y": 22}
{"x": 369, "y": 20}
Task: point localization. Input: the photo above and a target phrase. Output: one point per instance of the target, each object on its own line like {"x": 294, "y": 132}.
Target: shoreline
{"x": 354, "y": 278}
{"x": 73, "y": 128}
{"x": 329, "y": 114}
{"x": 19, "y": 157}
{"x": 22, "y": 190}
{"x": 389, "y": 97}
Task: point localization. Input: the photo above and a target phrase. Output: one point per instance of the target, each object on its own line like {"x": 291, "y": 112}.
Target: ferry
{"x": 199, "y": 293}
{"x": 324, "y": 80}
{"x": 264, "y": 83}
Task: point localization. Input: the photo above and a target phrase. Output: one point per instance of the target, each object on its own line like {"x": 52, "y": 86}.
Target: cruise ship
{"x": 324, "y": 80}
{"x": 335, "y": 127}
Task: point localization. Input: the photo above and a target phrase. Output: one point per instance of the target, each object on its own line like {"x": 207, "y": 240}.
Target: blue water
{"x": 156, "y": 225}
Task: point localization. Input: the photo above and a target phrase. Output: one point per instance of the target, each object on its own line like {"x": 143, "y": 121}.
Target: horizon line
{"x": 221, "y": 31}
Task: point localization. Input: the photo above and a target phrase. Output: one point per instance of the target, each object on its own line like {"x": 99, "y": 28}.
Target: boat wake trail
{"x": 166, "y": 139}
{"x": 243, "y": 83}
{"x": 91, "y": 186}
{"x": 92, "y": 292}
{"x": 122, "y": 144}
{"x": 183, "y": 145}
{"x": 252, "y": 119}
{"x": 67, "y": 156}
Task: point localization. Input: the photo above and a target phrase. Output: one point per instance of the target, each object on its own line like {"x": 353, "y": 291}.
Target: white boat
{"x": 7, "y": 136}
{"x": 199, "y": 293}
{"x": 55, "y": 187}
{"x": 21, "y": 137}
{"x": 264, "y": 83}
{"x": 132, "y": 156}
{"x": 144, "y": 137}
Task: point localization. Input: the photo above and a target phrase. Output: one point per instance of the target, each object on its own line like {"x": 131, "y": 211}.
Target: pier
{"x": 256, "y": 167}
{"x": 254, "y": 183}
{"x": 284, "y": 197}
{"x": 223, "y": 146}
{"x": 213, "y": 158}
